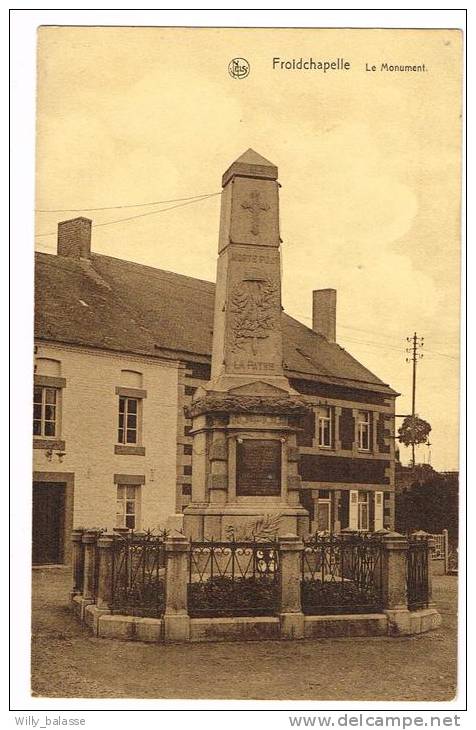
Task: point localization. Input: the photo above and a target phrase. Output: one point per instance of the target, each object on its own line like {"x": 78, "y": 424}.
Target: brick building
{"x": 120, "y": 349}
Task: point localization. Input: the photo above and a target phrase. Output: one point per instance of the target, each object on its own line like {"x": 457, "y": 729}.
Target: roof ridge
{"x": 152, "y": 268}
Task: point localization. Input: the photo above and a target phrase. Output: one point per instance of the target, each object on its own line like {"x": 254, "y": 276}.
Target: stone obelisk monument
{"x": 245, "y": 479}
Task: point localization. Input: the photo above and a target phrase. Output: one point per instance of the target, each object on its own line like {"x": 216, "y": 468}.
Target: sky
{"x": 369, "y": 163}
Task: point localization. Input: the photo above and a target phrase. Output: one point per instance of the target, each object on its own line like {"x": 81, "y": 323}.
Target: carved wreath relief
{"x": 253, "y": 307}
{"x": 264, "y": 527}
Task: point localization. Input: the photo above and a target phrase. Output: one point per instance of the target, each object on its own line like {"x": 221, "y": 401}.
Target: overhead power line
{"x": 131, "y": 205}
{"x": 381, "y": 345}
{"x": 384, "y": 346}
{"x": 140, "y": 215}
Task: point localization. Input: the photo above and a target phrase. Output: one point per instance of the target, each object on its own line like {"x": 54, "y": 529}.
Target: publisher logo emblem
{"x": 239, "y": 68}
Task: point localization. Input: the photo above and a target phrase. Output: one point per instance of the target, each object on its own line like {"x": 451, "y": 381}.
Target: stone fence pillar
{"x": 77, "y": 560}
{"x": 176, "y": 618}
{"x": 291, "y": 616}
{"x": 105, "y": 557}
{"x": 89, "y": 546}
{"x": 394, "y": 582}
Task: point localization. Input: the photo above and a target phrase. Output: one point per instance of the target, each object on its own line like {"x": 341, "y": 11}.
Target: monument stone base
{"x": 243, "y": 522}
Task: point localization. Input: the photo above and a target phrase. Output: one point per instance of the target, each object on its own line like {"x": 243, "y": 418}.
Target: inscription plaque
{"x": 258, "y": 468}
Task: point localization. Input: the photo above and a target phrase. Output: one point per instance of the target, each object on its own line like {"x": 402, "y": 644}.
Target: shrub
{"x": 330, "y": 597}
{"x": 224, "y": 596}
{"x": 146, "y": 600}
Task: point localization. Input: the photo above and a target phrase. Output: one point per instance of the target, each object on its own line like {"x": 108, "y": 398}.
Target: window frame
{"x": 43, "y": 405}
{"x": 329, "y": 419}
{"x": 126, "y": 414}
{"x": 326, "y": 503}
{"x": 122, "y": 496}
{"x": 364, "y": 427}
{"x": 363, "y": 503}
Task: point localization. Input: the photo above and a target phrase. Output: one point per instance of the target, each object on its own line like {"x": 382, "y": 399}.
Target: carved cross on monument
{"x": 255, "y": 206}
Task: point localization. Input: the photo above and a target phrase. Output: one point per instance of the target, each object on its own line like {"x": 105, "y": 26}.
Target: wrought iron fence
{"x": 96, "y": 570}
{"x": 439, "y": 547}
{"x": 138, "y": 572}
{"x": 342, "y": 574}
{"x": 233, "y": 578}
{"x": 417, "y": 572}
{"x": 453, "y": 558}
{"x": 79, "y": 570}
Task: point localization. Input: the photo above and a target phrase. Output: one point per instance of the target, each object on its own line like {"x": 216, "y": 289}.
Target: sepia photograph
{"x": 246, "y": 363}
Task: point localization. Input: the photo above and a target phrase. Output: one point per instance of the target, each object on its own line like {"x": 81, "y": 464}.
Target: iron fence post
{"x": 176, "y": 618}
{"x": 291, "y": 617}
{"x": 431, "y": 545}
{"x": 349, "y": 538}
{"x": 77, "y": 561}
{"x": 445, "y": 548}
{"x": 89, "y": 540}
{"x": 429, "y": 541}
{"x": 105, "y": 556}
{"x": 394, "y": 580}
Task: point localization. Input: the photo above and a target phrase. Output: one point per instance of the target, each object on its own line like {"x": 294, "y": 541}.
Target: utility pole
{"x": 416, "y": 343}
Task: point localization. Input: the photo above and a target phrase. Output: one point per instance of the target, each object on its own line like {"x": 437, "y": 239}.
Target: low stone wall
{"x": 328, "y": 627}
{"x": 245, "y": 628}
{"x": 261, "y": 628}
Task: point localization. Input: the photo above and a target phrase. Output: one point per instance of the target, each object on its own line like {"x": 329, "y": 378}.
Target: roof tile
{"x": 140, "y": 309}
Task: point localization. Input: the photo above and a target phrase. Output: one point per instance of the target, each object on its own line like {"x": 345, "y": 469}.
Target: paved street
{"x": 68, "y": 662}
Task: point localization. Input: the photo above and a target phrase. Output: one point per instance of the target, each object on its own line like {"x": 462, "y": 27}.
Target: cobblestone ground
{"x": 68, "y": 662}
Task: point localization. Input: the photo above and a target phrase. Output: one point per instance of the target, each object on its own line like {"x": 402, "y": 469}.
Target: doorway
{"x": 49, "y": 503}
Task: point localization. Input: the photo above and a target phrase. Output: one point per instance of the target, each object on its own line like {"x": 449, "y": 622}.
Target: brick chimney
{"x": 74, "y": 238}
{"x": 324, "y": 313}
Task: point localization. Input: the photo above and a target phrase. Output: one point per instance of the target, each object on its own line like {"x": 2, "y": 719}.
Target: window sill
{"x": 48, "y": 443}
{"x": 126, "y": 450}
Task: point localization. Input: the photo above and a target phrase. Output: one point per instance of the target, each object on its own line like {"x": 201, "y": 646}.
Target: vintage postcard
{"x": 246, "y": 363}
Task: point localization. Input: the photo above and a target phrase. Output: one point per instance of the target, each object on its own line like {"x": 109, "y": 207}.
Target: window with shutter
{"x": 346, "y": 429}
{"x": 353, "y": 509}
{"x": 378, "y": 511}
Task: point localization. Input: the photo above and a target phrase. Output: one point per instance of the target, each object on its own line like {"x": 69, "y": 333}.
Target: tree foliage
{"x": 430, "y": 504}
{"x": 414, "y": 430}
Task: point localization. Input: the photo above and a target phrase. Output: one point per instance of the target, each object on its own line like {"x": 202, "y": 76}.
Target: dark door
{"x": 48, "y": 522}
